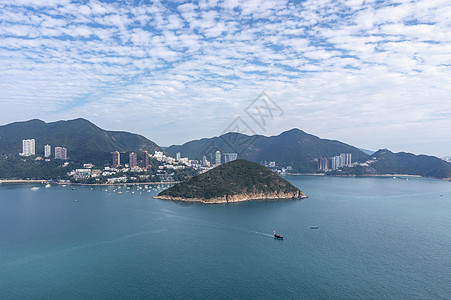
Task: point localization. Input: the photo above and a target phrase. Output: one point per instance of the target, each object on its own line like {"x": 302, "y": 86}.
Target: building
{"x": 177, "y": 156}
{"x": 342, "y": 159}
{"x": 205, "y": 162}
{"x": 60, "y": 153}
{"x": 159, "y": 155}
{"x": 82, "y": 173}
{"x": 116, "y": 159}
{"x": 348, "y": 159}
{"x": 145, "y": 163}
{"x": 133, "y": 160}
{"x": 28, "y": 147}
{"x": 217, "y": 157}
{"x": 323, "y": 163}
{"x": 47, "y": 151}
{"x": 335, "y": 162}
{"x": 229, "y": 157}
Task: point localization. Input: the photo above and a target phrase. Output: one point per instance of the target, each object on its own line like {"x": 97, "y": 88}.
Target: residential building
{"x": 323, "y": 163}
{"x": 133, "y": 160}
{"x": 116, "y": 159}
{"x": 159, "y": 155}
{"x": 205, "y": 162}
{"x": 335, "y": 162}
{"x": 217, "y": 157}
{"x": 229, "y": 157}
{"x": 28, "y": 147}
{"x": 145, "y": 163}
{"x": 348, "y": 159}
{"x": 177, "y": 156}
{"x": 60, "y": 153}
{"x": 47, "y": 151}
{"x": 342, "y": 159}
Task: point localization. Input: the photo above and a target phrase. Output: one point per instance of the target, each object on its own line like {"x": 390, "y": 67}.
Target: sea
{"x": 377, "y": 238}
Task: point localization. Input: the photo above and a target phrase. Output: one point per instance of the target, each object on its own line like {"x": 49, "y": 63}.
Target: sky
{"x": 374, "y": 74}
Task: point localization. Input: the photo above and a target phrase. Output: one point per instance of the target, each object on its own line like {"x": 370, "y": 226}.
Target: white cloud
{"x": 340, "y": 69}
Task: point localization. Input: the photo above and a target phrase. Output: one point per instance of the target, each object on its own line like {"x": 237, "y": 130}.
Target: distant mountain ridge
{"x": 83, "y": 139}
{"x": 293, "y": 147}
{"x": 407, "y": 163}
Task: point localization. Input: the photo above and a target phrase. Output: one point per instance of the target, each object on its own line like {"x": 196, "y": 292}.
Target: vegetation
{"x": 387, "y": 162}
{"x": 291, "y": 148}
{"x": 233, "y": 178}
{"x": 84, "y": 141}
{"x": 408, "y": 163}
{"x": 16, "y": 167}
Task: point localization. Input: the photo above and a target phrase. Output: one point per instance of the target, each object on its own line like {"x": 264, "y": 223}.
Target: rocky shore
{"x": 238, "y": 198}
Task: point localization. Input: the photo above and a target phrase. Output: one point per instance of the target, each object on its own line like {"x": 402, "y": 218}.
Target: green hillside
{"x": 233, "y": 178}
{"x": 84, "y": 140}
{"x": 294, "y": 147}
{"x": 407, "y": 163}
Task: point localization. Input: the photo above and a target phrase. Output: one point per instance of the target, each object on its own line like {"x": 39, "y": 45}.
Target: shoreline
{"x": 234, "y": 199}
{"x": 222, "y": 201}
{"x": 23, "y": 181}
{"x": 18, "y": 181}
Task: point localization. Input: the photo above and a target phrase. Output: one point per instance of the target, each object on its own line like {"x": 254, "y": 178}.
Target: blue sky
{"x": 370, "y": 73}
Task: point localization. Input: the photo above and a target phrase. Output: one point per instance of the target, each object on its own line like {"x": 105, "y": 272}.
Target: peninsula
{"x": 236, "y": 181}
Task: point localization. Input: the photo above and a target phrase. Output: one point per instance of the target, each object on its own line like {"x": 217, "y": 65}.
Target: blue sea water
{"x": 378, "y": 238}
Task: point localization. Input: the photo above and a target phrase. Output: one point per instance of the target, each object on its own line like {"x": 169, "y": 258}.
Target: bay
{"x": 378, "y": 238}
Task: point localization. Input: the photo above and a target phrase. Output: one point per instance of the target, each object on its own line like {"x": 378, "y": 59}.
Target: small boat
{"x": 314, "y": 227}
{"x": 278, "y": 236}
{"x": 47, "y": 185}
{"x": 35, "y": 188}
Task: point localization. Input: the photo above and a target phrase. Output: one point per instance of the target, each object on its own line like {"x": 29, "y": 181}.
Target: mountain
{"x": 84, "y": 140}
{"x": 238, "y": 180}
{"x": 294, "y": 148}
{"x": 369, "y": 152}
{"x": 388, "y": 162}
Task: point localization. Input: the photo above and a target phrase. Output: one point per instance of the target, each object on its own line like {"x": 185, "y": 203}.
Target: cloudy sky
{"x": 370, "y": 73}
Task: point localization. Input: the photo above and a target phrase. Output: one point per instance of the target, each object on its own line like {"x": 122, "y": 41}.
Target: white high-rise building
{"x": 47, "y": 150}
{"x": 205, "y": 162}
{"x": 28, "y": 147}
{"x": 348, "y": 159}
{"x": 177, "y": 156}
{"x": 342, "y": 159}
{"x": 218, "y": 157}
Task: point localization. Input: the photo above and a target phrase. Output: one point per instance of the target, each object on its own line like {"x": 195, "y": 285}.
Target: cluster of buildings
{"x": 178, "y": 162}
{"x": 132, "y": 160}
{"x": 336, "y": 162}
{"x": 217, "y": 158}
{"x": 29, "y": 149}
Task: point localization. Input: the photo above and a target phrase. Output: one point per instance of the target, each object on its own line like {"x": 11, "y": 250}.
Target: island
{"x": 235, "y": 181}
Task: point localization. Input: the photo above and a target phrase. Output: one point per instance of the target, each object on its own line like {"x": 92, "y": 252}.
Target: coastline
{"x": 236, "y": 198}
{"x": 120, "y": 183}
{"x": 23, "y": 181}
{"x": 87, "y": 184}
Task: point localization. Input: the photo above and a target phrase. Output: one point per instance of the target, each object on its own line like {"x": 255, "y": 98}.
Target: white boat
{"x": 35, "y": 188}
{"x": 47, "y": 185}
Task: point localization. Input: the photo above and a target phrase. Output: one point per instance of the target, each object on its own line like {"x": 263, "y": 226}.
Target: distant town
{"x": 158, "y": 166}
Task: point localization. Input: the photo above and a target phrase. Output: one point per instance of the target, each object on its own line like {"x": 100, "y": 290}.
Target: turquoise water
{"x": 378, "y": 238}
